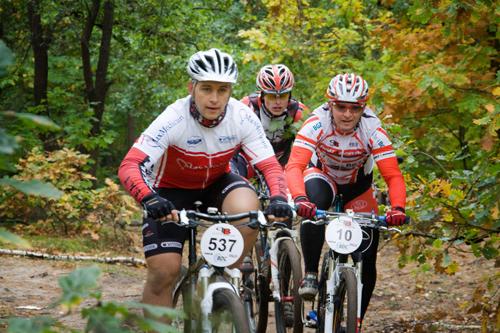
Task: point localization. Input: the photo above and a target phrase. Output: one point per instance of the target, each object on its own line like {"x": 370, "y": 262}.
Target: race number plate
{"x": 343, "y": 235}
{"x": 221, "y": 245}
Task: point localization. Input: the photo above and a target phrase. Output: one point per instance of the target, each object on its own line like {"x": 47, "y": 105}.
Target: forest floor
{"x": 404, "y": 300}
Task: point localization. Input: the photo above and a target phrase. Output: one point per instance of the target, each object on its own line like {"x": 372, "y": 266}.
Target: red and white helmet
{"x": 275, "y": 79}
{"x": 212, "y": 65}
{"x": 349, "y": 88}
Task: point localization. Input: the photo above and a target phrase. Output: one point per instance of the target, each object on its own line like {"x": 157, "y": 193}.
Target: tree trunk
{"x": 40, "y": 52}
{"x": 97, "y": 88}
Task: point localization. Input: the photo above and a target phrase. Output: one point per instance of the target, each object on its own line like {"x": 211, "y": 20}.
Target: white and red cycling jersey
{"x": 343, "y": 155}
{"x": 176, "y": 151}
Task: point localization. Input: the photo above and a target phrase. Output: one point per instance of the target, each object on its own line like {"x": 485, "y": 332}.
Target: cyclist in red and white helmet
{"x": 347, "y": 139}
{"x": 183, "y": 157}
{"x": 277, "y": 111}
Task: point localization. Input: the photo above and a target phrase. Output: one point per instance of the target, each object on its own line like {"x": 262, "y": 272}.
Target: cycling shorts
{"x": 165, "y": 236}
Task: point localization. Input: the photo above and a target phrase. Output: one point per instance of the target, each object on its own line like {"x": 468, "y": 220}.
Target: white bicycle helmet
{"x": 349, "y": 88}
{"x": 212, "y": 65}
{"x": 275, "y": 79}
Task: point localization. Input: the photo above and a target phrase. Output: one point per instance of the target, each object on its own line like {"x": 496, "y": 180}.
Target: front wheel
{"x": 228, "y": 313}
{"x": 288, "y": 311}
{"x": 346, "y": 303}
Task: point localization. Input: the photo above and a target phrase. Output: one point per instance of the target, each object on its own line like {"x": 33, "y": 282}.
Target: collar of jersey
{"x": 204, "y": 121}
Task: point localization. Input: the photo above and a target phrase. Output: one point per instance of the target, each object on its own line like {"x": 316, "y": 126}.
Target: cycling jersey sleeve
{"x": 135, "y": 171}
{"x": 294, "y": 171}
{"x": 132, "y": 177}
{"x": 391, "y": 173}
{"x": 386, "y": 160}
{"x": 302, "y": 150}
{"x": 273, "y": 174}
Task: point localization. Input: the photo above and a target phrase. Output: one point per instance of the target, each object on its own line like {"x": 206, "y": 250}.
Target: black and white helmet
{"x": 348, "y": 87}
{"x": 212, "y": 65}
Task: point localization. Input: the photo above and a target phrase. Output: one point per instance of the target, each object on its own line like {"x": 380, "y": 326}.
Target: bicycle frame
{"x": 335, "y": 265}
{"x": 204, "y": 279}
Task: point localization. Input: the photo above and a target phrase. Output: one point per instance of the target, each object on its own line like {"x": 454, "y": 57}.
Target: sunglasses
{"x": 343, "y": 107}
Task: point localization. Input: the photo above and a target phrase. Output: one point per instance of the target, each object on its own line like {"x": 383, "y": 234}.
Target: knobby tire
{"x": 290, "y": 273}
{"x": 228, "y": 306}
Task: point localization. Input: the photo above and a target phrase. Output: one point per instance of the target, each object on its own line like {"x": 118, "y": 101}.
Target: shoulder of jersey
{"x": 370, "y": 119}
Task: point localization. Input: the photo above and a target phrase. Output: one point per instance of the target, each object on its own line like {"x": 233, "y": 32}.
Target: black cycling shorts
{"x": 163, "y": 237}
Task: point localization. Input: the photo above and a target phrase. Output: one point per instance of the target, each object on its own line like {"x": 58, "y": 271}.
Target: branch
{"x": 107, "y": 260}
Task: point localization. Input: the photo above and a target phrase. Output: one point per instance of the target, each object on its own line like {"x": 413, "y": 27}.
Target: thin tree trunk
{"x": 96, "y": 87}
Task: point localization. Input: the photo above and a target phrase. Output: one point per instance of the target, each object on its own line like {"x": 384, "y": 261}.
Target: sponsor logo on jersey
{"x": 359, "y": 204}
{"x": 334, "y": 143}
{"x": 194, "y": 140}
{"x": 227, "y": 139}
{"x": 353, "y": 144}
{"x": 317, "y": 126}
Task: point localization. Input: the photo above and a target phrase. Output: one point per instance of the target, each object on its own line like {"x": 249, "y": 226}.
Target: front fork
{"x": 332, "y": 285}
{"x": 207, "y": 289}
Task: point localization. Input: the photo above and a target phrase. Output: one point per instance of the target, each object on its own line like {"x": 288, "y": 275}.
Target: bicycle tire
{"x": 185, "y": 290}
{"x": 346, "y": 303}
{"x": 228, "y": 310}
{"x": 290, "y": 273}
{"x": 261, "y": 302}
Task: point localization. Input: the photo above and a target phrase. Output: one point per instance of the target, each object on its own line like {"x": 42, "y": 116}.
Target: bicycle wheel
{"x": 345, "y": 300}
{"x": 261, "y": 301}
{"x": 288, "y": 311}
{"x": 228, "y": 313}
{"x": 184, "y": 296}
{"x": 346, "y": 303}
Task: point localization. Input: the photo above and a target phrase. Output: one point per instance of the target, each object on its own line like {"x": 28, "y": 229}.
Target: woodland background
{"x": 79, "y": 81}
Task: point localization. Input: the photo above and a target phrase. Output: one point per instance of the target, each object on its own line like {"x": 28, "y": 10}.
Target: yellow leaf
{"x": 452, "y": 268}
{"x": 496, "y": 91}
{"x": 490, "y": 108}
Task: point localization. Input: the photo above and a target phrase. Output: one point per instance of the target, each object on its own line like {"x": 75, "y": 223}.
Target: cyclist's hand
{"x": 396, "y": 216}
{"x": 280, "y": 209}
{"x": 305, "y": 208}
{"x": 157, "y": 207}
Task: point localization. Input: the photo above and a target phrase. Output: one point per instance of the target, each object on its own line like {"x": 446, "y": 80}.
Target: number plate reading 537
{"x": 343, "y": 235}
{"x": 221, "y": 245}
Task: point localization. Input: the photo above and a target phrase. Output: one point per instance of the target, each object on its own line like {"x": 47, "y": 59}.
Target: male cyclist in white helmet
{"x": 277, "y": 110}
{"x": 347, "y": 138}
{"x": 183, "y": 157}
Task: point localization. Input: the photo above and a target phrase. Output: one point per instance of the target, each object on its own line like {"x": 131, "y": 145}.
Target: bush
{"x": 80, "y": 210}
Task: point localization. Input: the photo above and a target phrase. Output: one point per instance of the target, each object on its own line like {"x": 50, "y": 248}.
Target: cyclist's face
{"x": 276, "y": 104}
{"x": 346, "y": 115}
{"x": 210, "y": 97}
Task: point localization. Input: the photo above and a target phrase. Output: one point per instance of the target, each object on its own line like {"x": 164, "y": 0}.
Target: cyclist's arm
{"x": 135, "y": 171}
{"x": 294, "y": 170}
{"x": 274, "y": 176}
{"x": 387, "y": 163}
{"x": 131, "y": 176}
{"x": 302, "y": 150}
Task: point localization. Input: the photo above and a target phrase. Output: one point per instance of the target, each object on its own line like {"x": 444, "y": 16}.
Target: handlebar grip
{"x": 382, "y": 218}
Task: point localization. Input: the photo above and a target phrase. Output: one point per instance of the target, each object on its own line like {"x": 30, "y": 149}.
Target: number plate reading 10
{"x": 221, "y": 244}
{"x": 343, "y": 235}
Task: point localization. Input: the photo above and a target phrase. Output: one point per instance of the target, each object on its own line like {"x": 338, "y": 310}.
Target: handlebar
{"x": 364, "y": 219}
{"x": 193, "y": 218}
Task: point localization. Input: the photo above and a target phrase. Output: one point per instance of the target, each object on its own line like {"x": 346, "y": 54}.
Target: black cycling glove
{"x": 156, "y": 207}
{"x": 279, "y": 207}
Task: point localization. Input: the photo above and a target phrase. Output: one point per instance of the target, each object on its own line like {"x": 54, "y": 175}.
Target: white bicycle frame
{"x": 273, "y": 252}
{"x": 332, "y": 285}
{"x": 207, "y": 291}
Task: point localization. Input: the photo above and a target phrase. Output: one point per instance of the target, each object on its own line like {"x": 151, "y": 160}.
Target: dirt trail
{"x": 402, "y": 302}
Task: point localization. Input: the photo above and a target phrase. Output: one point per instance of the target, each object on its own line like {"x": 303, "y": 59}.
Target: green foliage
{"x": 80, "y": 209}
{"x": 82, "y": 284}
